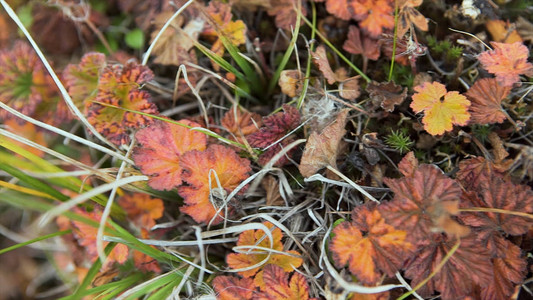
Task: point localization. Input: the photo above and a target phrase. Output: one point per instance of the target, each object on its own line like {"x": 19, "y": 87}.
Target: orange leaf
{"x": 142, "y": 209}
{"x": 86, "y": 236}
{"x": 339, "y": 8}
{"x": 278, "y": 287}
{"x": 502, "y": 32}
{"x": 373, "y": 15}
{"x": 290, "y": 82}
{"x": 486, "y": 96}
{"x": 321, "y": 149}
{"x": 381, "y": 249}
{"x": 161, "y": 146}
{"x": 507, "y": 62}
{"x": 203, "y": 171}
{"x": 284, "y": 12}
{"x": 240, "y": 122}
{"x": 233, "y": 288}
{"x": 233, "y": 31}
{"x": 442, "y": 109}
{"x": 409, "y": 16}
{"x": 259, "y": 239}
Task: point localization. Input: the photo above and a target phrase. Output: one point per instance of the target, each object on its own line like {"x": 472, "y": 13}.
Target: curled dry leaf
{"x": 486, "y": 96}
{"x": 320, "y": 59}
{"x": 161, "y": 146}
{"x": 409, "y": 16}
{"x": 290, "y": 82}
{"x": 321, "y": 149}
{"x": 507, "y": 62}
{"x": 386, "y": 94}
{"x": 204, "y": 171}
{"x": 441, "y": 109}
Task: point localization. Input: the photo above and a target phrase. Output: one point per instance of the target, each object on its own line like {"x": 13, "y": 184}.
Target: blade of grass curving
{"x": 32, "y": 182}
{"x": 25, "y": 190}
{"x": 220, "y": 61}
{"x": 288, "y": 53}
{"x": 151, "y": 285}
{"x": 64, "y": 133}
{"x": 163, "y": 292}
{"x": 341, "y": 56}
{"x": 112, "y": 287}
{"x": 68, "y": 100}
{"x": 41, "y": 238}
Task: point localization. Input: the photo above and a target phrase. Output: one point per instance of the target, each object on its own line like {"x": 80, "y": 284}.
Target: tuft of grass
{"x": 399, "y": 140}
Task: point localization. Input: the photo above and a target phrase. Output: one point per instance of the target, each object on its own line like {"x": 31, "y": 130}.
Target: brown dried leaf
{"x": 321, "y": 149}
{"x": 349, "y": 88}
{"x": 387, "y": 95}
{"x": 320, "y": 59}
{"x": 486, "y": 96}
{"x": 368, "y": 47}
{"x": 290, "y": 82}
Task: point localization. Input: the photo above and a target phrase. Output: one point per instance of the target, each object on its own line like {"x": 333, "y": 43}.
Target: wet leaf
{"x": 161, "y": 146}
{"x": 441, "y": 109}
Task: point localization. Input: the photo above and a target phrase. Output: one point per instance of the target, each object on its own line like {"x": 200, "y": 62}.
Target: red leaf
{"x": 474, "y": 171}
{"x": 275, "y": 128}
{"x": 321, "y": 60}
{"x": 284, "y": 13}
{"x": 486, "y": 96}
{"x": 278, "y": 286}
{"x": 507, "y": 62}
{"x": 203, "y": 171}
{"x": 468, "y": 267}
{"x": 233, "y": 288}
{"x": 162, "y": 145}
{"x": 382, "y": 249}
{"x": 423, "y": 203}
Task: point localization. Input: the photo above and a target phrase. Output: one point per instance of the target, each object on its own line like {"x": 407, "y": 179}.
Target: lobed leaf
{"x": 507, "y": 62}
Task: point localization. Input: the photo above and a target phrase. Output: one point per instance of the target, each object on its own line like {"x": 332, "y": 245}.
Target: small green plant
{"x": 399, "y": 140}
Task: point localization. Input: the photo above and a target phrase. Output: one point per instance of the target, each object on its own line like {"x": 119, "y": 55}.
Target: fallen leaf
{"x": 386, "y": 94}
{"x": 240, "y": 122}
{"x": 285, "y": 13}
{"x": 502, "y": 32}
{"x": 369, "y": 246}
{"x": 321, "y": 149}
{"x": 161, "y": 146}
{"x": 476, "y": 170}
{"x": 321, "y": 60}
{"x": 468, "y": 267}
{"x": 349, "y": 88}
{"x": 486, "y": 96}
{"x": 233, "y": 288}
{"x": 408, "y": 165}
{"x": 142, "y": 209}
{"x": 368, "y": 47}
{"x": 441, "y": 109}
{"x": 278, "y": 286}
{"x": 222, "y": 26}
{"x": 204, "y": 171}
{"x": 290, "y": 82}
{"x": 257, "y": 238}
{"x": 507, "y": 62}
{"x": 409, "y": 16}
{"x": 374, "y": 16}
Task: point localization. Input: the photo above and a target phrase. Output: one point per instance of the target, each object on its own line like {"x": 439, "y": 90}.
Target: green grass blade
{"x": 44, "y": 237}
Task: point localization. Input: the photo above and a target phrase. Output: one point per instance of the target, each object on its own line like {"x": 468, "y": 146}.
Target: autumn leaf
{"x": 81, "y": 80}
{"x": 476, "y": 170}
{"x": 503, "y": 32}
{"x": 500, "y": 194}
{"x": 233, "y": 31}
{"x": 349, "y": 88}
{"x": 233, "y": 288}
{"x": 369, "y": 246}
{"x": 467, "y": 268}
{"x": 204, "y": 171}
{"x": 486, "y": 96}
{"x": 357, "y": 43}
{"x": 274, "y": 130}
{"x": 386, "y": 94}
{"x": 441, "y": 109}
{"x": 161, "y": 146}
{"x": 507, "y": 62}
{"x": 339, "y": 8}
{"x": 373, "y": 15}
{"x": 285, "y": 13}
{"x": 86, "y": 237}
{"x": 278, "y": 286}
{"x": 143, "y": 261}
{"x": 290, "y": 82}
{"x": 120, "y": 86}
{"x": 257, "y": 238}
{"x": 409, "y": 16}
{"x": 28, "y": 131}
{"x": 508, "y": 271}
{"x": 142, "y": 209}
{"x": 24, "y": 82}
{"x": 321, "y": 60}
{"x": 424, "y": 203}
{"x": 240, "y": 123}
{"x": 322, "y": 148}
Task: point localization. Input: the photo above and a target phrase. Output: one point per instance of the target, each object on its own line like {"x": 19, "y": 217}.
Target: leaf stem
{"x": 497, "y": 210}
